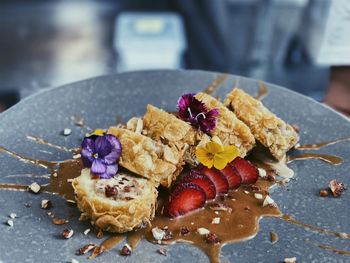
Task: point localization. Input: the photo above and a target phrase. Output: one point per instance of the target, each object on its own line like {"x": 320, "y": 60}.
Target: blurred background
{"x": 49, "y": 43}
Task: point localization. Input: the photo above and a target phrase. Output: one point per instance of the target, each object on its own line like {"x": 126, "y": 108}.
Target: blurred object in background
{"x": 149, "y": 41}
{"x": 51, "y": 43}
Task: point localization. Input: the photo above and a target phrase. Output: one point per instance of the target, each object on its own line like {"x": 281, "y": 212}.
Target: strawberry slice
{"x": 246, "y": 170}
{"x": 184, "y": 198}
{"x": 232, "y": 176}
{"x": 202, "y": 181}
{"x": 219, "y": 180}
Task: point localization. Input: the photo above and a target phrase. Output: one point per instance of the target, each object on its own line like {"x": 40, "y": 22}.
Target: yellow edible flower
{"x": 215, "y": 154}
{"x": 97, "y": 132}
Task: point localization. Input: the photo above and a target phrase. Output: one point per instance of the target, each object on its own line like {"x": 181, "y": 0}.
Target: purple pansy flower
{"x": 101, "y": 154}
{"x": 196, "y": 113}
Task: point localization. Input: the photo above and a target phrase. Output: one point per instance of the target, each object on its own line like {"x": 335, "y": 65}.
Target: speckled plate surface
{"x": 100, "y": 101}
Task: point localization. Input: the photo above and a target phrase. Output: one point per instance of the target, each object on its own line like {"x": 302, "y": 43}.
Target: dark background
{"x": 49, "y": 43}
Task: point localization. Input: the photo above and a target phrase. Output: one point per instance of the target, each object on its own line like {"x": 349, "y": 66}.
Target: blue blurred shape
{"x": 149, "y": 41}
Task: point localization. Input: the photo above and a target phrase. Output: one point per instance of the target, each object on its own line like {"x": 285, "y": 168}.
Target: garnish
{"x": 101, "y": 154}
{"x": 195, "y": 112}
{"x": 215, "y": 154}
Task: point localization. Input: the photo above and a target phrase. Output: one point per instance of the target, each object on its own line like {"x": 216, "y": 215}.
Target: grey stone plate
{"x": 100, "y": 101}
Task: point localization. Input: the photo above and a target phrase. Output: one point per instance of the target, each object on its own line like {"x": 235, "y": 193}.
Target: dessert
{"x": 229, "y": 128}
{"x": 148, "y": 158}
{"x": 217, "y": 199}
{"x": 268, "y": 129}
{"x": 118, "y": 204}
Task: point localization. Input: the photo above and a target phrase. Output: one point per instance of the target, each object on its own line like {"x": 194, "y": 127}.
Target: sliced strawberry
{"x": 202, "y": 181}
{"x": 219, "y": 180}
{"x": 232, "y": 176}
{"x": 184, "y": 198}
{"x": 246, "y": 170}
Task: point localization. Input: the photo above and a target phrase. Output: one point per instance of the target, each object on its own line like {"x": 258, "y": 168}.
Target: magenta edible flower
{"x": 195, "y": 112}
{"x": 101, "y": 154}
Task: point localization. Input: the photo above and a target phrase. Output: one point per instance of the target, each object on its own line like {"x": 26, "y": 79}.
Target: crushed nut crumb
{"x": 336, "y": 187}
{"x": 203, "y": 231}
{"x": 273, "y": 237}
{"x": 258, "y": 196}
{"x": 162, "y": 251}
{"x": 67, "y": 233}
{"x": 211, "y": 238}
{"x": 10, "y": 222}
{"x": 184, "y": 231}
{"x": 13, "y": 215}
{"x": 59, "y": 221}
{"x": 76, "y": 156}
{"x": 86, "y": 231}
{"x": 216, "y": 221}
{"x": 219, "y": 207}
{"x": 158, "y": 233}
{"x": 290, "y": 260}
{"x": 34, "y": 188}
{"x": 74, "y": 261}
{"x": 99, "y": 233}
{"x": 67, "y": 132}
{"x": 323, "y": 192}
{"x": 46, "y": 204}
{"x": 268, "y": 201}
{"x": 83, "y": 250}
{"x": 262, "y": 172}
{"x": 126, "y": 250}
{"x": 98, "y": 250}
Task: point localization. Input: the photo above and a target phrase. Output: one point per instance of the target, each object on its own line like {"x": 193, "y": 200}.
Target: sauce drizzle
{"x": 215, "y": 85}
{"x": 332, "y": 159}
{"x": 316, "y": 146}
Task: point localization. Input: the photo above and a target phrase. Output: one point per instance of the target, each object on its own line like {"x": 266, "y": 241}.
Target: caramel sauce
{"x": 334, "y": 250}
{"x": 316, "y": 146}
{"x": 293, "y": 221}
{"x": 240, "y": 222}
{"x": 332, "y": 159}
{"x": 215, "y": 85}
{"x": 42, "y": 141}
{"x": 262, "y": 91}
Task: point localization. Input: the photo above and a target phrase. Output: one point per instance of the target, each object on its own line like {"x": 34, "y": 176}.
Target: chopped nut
{"x": 46, "y": 204}
{"x": 216, "y": 221}
{"x": 70, "y": 180}
{"x": 162, "y": 251}
{"x": 67, "y": 233}
{"x": 54, "y": 174}
{"x": 10, "y": 222}
{"x": 86, "y": 231}
{"x": 99, "y": 233}
{"x": 126, "y": 250}
{"x": 59, "y": 221}
{"x": 273, "y": 237}
{"x": 13, "y": 215}
{"x": 212, "y": 238}
{"x": 290, "y": 260}
{"x": 111, "y": 191}
{"x": 34, "y": 188}
{"x": 258, "y": 196}
{"x": 83, "y": 250}
{"x": 246, "y": 192}
{"x": 323, "y": 192}
{"x": 98, "y": 250}
{"x": 203, "y": 231}
{"x": 268, "y": 201}
{"x": 158, "y": 233}
{"x": 262, "y": 172}
{"x": 74, "y": 261}
{"x": 168, "y": 234}
{"x": 184, "y": 231}
{"x": 336, "y": 188}
{"x": 77, "y": 156}
{"x": 67, "y": 132}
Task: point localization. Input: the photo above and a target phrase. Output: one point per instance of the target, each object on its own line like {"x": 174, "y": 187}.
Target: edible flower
{"x": 97, "y": 132}
{"x": 101, "y": 154}
{"x": 195, "y": 112}
{"x": 215, "y": 154}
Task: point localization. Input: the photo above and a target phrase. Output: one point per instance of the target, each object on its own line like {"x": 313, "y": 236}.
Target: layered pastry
{"x": 229, "y": 128}
{"x": 118, "y": 204}
{"x": 174, "y": 132}
{"x": 148, "y": 158}
{"x": 268, "y": 129}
